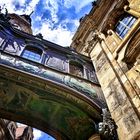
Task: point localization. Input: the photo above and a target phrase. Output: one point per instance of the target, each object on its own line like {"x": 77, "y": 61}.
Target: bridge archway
{"x": 54, "y": 108}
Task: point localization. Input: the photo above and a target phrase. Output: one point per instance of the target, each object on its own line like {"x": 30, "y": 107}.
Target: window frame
{"x": 32, "y": 49}
{"x": 78, "y": 63}
{"x": 123, "y": 28}
{"x": 51, "y": 55}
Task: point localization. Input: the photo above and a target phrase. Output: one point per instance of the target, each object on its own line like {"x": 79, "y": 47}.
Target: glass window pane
{"x": 124, "y": 33}
{"x": 120, "y": 28}
{"x": 131, "y": 22}
{"x": 32, "y": 54}
{"x": 124, "y": 25}
{"x": 126, "y": 20}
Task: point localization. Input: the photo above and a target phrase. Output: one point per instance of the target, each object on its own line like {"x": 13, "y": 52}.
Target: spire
{"x": 27, "y": 17}
{"x": 31, "y": 13}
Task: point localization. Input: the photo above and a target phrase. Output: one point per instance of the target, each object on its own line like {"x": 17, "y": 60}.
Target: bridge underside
{"x": 58, "y": 110}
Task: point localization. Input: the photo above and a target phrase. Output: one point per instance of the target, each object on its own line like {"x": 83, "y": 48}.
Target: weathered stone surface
{"x": 117, "y": 113}
{"x": 130, "y": 90}
{"x": 100, "y": 61}
{"x": 117, "y": 63}
{"x": 95, "y": 52}
{"x": 128, "y": 126}
{"x": 135, "y": 87}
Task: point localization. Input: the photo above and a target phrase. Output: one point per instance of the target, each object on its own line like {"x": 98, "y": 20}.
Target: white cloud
{"x": 78, "y": 4}
{"x": 58, "y": 35}
{"x": 10, "y": 5}
{"x": 53, "y": 9}
{"x": 29, "y": 8}
{"x": 37, "y": 134}
{"x": 33, "y": 3}
{"x": 20, "y": 124}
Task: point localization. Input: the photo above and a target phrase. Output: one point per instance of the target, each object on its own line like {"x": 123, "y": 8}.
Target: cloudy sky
{"x": 57, "y": 20}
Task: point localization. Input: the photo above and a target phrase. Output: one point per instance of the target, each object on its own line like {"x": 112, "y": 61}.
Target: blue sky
{"x": 38, "y": 135}
{"x": 57, "y": 20}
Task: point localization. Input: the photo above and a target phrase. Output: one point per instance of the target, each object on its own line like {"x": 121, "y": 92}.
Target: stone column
{"x": 95, "y": 137}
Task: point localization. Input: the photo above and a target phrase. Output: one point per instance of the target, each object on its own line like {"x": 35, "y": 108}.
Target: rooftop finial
{"x": 31, "y": 13}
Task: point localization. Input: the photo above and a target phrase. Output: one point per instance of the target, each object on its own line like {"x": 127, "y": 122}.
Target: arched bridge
{"x": 48, "y": 87}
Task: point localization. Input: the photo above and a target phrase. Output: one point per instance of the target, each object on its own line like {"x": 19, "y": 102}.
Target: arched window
{"x": 76, "y": 69}
{"x": 124, "y": 24}
{"x": 32, "y": 53}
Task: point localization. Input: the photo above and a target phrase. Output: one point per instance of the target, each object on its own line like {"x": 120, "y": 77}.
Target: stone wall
{"x": 117, "y": 63}
{"x": 121, "y": 97}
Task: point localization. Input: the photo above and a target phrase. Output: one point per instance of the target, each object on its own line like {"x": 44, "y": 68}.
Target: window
{"x": 2, "y": 39}
{"x": 32, "y": 53}
{"x": 124, "y": 25}
{"x": 56, "y": 61}
{"x": 11, "y": 46}
{"x": 76, "y": 69}
{"x": 91, "y": 75}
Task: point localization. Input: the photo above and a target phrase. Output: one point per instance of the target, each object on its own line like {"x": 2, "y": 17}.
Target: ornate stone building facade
{"x": 109, "y": 35}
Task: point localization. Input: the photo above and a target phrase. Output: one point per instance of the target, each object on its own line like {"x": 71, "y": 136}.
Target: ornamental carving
{"x": 108, "y": 128}
{"x": 114, "y": 15}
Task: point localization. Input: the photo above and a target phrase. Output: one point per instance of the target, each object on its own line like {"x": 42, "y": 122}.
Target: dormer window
{"x": 76, "y": 69}
{"x": 124, "y": 25}
{"x": 32, "y": 53}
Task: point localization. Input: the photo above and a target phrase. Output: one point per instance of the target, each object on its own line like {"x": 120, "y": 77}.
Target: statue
{"x": 107, "y": 128}
{"x": 5, "y": 16}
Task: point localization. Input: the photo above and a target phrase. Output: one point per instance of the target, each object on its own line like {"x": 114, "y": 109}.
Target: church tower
{"x": 21, "y": 22}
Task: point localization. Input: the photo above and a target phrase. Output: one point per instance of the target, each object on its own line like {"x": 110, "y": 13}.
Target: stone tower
{"x": 21, "y": 22}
